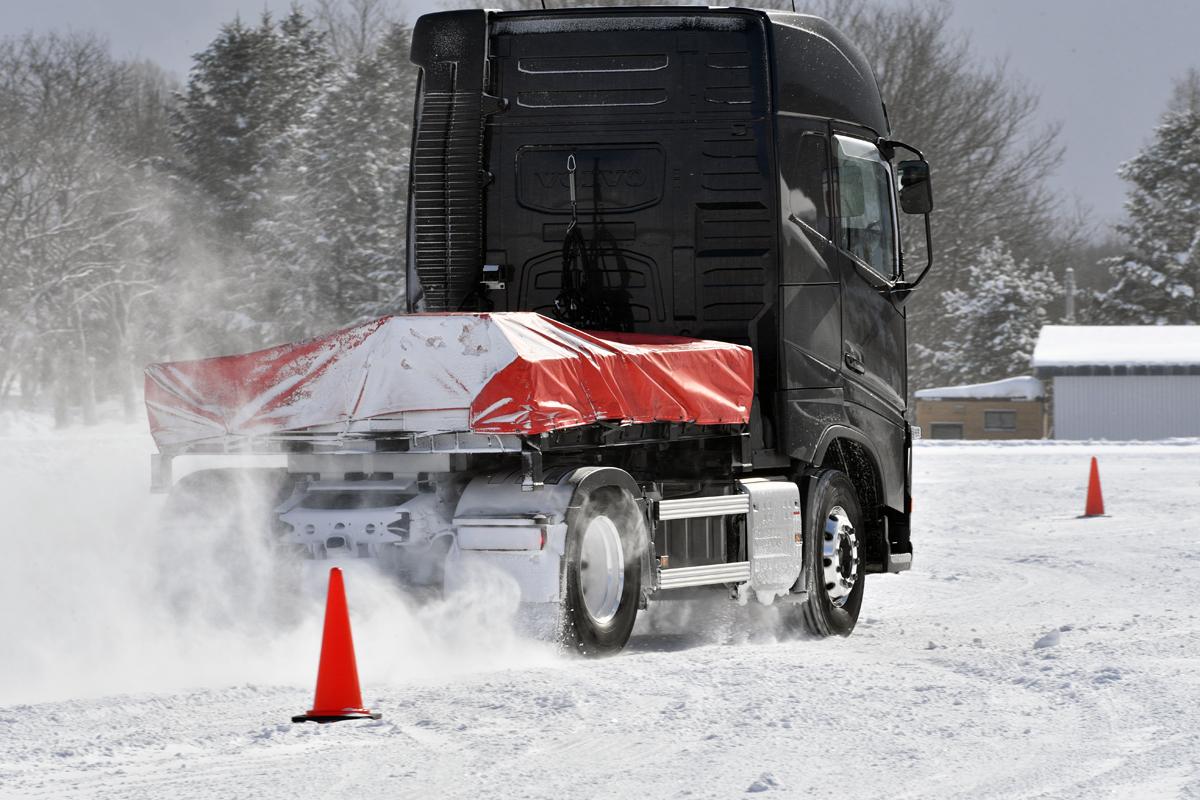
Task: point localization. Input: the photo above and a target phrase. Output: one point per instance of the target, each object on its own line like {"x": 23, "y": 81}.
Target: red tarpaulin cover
{"x": 518, "y": 373}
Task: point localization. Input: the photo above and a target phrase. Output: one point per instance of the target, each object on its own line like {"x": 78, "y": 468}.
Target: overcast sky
{"x": 1103, "y": 67}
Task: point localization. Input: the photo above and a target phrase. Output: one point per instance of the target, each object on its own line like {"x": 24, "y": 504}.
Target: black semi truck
{"x": 607, "y": 197}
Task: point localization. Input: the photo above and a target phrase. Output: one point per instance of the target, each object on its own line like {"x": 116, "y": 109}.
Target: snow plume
{"x": 99, "y": 598}
{"x": 710, "y": 617}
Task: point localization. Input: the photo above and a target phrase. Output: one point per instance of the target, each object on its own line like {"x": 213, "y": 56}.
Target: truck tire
{"x": 832, "y": 556}
{"x": 605, "y": 538}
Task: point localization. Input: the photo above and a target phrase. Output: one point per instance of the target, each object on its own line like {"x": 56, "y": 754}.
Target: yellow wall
{"x": 969, "y": 413}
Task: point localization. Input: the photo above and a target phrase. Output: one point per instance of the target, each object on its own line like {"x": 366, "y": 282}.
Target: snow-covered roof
{"x": 1117, "y": 346}
{"x": 1020, "y": 388}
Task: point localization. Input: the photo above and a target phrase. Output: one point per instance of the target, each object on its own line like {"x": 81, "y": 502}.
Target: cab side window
{"x": 866, "y": 226}
{"x": 807, "y": 178}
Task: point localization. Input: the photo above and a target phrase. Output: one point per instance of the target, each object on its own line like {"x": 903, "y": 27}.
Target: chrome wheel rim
{"x": 601, "y": 569}
{"x": 839, "y": 556}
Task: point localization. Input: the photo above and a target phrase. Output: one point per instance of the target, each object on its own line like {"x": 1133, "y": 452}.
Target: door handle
{"x": 854, "y": 363}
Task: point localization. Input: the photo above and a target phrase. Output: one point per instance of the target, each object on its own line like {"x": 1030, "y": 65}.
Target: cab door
{"x": 809, "y": 285}
{"x": 874, "y": 357}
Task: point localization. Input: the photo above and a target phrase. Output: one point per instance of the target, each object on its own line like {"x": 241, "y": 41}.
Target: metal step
{"x": 712, "y": 506}
{"x": 707, "y": 575}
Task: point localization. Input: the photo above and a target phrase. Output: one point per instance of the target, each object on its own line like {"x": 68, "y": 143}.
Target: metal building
{"x": 1121, "y": 382}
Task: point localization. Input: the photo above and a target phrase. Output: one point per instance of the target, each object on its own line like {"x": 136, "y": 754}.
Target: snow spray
{"x": 100, "y": 599}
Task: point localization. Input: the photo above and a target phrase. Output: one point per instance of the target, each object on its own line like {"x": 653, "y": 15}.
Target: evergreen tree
{"x": 996, "y": 317}
{"x": 243, "y": 96}
{"x": 1157, "y": 278}
{"x": 235, "y": 126}
{"x": 1185, "y": 96}
{"x": 219, "y": 121}
{"x": 336, "y": 234}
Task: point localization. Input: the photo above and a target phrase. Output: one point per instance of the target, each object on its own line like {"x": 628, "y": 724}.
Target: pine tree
{"x": 337, "y": 230}
{"x": 1157, "y": 278}
{"x": 996, "y": 318}
{"x": 243, "y": 96}
{"x": 235, "y": 126}
{"x": 220, "y": 122}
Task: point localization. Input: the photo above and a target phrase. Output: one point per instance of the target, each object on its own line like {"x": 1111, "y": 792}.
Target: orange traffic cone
{"x": 1095, "y": 499}
{"x": 338, "y": 695}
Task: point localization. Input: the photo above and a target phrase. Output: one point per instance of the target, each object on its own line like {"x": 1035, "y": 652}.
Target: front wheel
{"x": 833, "y": 551}
{"x": 604, "y": 573}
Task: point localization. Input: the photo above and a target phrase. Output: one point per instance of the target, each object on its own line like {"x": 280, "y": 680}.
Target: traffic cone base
{"x": 330, "y": 716}
{"x": 1095, "y": 498}
{"x": 338, "y": 696}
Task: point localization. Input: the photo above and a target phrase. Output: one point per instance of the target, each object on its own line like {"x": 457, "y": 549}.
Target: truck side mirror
{"x": 916, "y": 191}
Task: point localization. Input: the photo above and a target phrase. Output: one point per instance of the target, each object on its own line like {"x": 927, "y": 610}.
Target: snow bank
{"x": 1117, "y": 345}
{"x": 1019, "y": 388}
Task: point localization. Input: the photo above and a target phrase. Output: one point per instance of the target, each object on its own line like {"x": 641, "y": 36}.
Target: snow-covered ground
{"x": 1028, "y": 654}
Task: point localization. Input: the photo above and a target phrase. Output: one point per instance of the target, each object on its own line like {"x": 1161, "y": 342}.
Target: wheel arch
{"x": 852, "y": 453}
{"x": 504, "y": 494}
{"x": 562, "y": 498}
{"x": 587, "y": 480}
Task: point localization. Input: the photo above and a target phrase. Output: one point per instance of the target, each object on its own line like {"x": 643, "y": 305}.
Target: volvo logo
{"x": 615, "y": 179}
{"x": 587, "y": 179}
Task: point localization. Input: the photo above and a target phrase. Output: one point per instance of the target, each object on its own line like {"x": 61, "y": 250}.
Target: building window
{"x": 946, "y": 430}
{"x": 999, "y": 420}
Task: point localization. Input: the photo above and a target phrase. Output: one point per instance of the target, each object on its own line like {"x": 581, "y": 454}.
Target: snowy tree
{"x": 247, "y": 90}
{"x": 995, "y": 318}
{"x": 71, "y": 120}
{"x": 1156, "y": 279}
{"x": 354, "y": 29}
{"x": 336, "y": 234}
{"x": 236, "y": 124}
{"x": 978, "y": 125}
{"x": 138, "y": 224}
{"x": 140, "y": 253}
{"x": 1185, "y": 95}
{"x": 222, "y": 124}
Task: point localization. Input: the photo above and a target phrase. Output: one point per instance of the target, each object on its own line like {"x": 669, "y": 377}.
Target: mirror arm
{"x": 891, "y": 144}
{"x": 903, "y": 287}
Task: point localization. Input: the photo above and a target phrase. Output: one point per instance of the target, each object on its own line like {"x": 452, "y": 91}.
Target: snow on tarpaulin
{"x": 1019, "y": 388}
{"x": 518, "y": 373}
{"x": 1117, "y": 345}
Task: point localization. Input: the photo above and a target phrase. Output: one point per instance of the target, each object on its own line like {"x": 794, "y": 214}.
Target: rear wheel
{"x": 833, "y": 553}
{"x": 604, "y": 549}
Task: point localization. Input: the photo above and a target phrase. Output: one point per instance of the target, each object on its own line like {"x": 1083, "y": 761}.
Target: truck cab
{"x": 724, "y": 173}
